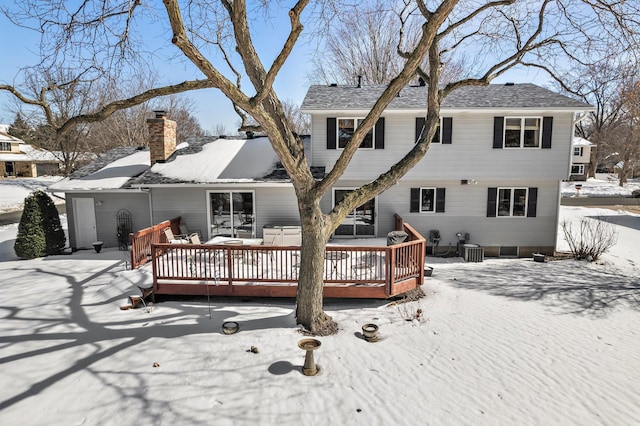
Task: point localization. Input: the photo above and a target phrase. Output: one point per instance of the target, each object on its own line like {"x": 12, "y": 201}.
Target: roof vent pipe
{"x": 359, "y": 81}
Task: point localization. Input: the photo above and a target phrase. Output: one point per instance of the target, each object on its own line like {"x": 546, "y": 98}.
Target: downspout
{"x": 148, "y": 190}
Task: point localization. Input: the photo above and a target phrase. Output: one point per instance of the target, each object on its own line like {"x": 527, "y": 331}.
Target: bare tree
{"x": 502, "y": 33}
{"x": 611, "y": 86}
{"x": 370, "y": 42}
{"x": 599, "y": 84}
{"x": 220, "y": 130}
{"x": 301, "y": 122}
{"x": 625, "y": 140}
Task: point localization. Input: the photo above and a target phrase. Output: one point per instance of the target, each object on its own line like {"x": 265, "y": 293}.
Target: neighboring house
{"x": 580, "y": 159}
{"x": 18, "y": 159}
{"x": 492, "y": 177}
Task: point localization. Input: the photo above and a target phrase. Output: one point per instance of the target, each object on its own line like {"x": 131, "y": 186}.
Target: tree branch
{"x": 296, "y": 30}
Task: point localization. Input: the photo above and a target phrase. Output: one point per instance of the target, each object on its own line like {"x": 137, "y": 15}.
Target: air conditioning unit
{"x": 473, "y": 253}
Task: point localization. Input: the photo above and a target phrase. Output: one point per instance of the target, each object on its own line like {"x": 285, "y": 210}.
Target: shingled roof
{"x": 202, "y": 160}
{"x": 527, "y": 96}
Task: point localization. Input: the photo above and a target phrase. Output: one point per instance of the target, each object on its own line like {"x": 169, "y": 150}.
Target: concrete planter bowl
{"x": 230, "y": 327}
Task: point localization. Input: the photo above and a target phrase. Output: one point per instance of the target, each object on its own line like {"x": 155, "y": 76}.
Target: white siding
{"x": 466, "y": 212}
{"x": 470, "y": 156}
{"x": 106, "y": 221}
{"x": 271, "y": 205}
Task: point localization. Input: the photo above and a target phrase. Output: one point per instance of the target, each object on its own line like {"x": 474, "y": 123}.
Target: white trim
{"x": 433, "y": 204}
{"x": 231, "y": 212}
{"x": 446, "y": 111}
{"x": 375, "y": 214}
{"x": 512, "y": 201}
{"x": 523, "y": 128}
{"x": 580, "y": 169}
{"x": 356, "y": 125}
{"x": 235, "y": 184}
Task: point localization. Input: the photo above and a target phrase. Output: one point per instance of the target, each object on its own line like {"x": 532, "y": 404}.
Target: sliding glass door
{"x": 232, "y": 214}
{"x": 360, "y": 222}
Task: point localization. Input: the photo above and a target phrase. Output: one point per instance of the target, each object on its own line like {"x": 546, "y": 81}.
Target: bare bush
{"x": 590, "y": 237}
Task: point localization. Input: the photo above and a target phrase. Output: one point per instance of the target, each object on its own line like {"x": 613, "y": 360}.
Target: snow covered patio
{"x": 499, "y": 342}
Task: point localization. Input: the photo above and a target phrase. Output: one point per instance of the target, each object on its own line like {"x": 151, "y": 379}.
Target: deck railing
{"x": 142, "y": 240}
{"x": 349, "y": 271}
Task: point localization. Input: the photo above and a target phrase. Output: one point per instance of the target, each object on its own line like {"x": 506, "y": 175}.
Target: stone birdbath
{"x": 309, "y": 345}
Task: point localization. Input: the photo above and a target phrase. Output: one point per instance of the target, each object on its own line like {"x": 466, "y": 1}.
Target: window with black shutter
{"x": 427, "y": 200}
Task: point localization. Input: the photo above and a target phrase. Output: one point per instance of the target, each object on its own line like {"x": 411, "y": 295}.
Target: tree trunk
{"x": 309, "y": 312}
{"x": 622, "y": 175}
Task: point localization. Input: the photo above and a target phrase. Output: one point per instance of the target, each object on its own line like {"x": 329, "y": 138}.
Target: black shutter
{"x": 440, "y": 193}
{"x": 498, "y": 132}
{"x": 379, "y": 133}
{"x": 419, "y": 127}
{"x": 331, "y": 133}
{"x": 492, "y": 198}
{"x": 533, "y": 202}
{"x": 447, "y": 129}
{"x": 547, "y": 129}
{"x": 414, "y": 206}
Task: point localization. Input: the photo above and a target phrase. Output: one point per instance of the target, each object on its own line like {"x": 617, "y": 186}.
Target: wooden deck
{"x": 272, "y": 271}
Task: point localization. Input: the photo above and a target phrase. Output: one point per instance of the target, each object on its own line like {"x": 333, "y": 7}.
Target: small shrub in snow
{"x": 40, "y": 232}
{"x": 53, "y": 232}
{"x": 590, "y": 237}
{"x": 30, "y": 241}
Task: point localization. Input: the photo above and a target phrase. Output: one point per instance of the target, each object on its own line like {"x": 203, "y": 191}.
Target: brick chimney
{"x": 162, "y": 137}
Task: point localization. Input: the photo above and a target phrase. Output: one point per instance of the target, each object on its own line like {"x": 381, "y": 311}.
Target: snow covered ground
{"x": 14, "y": 191}
{"x": 604, "y": 185}
{"x": 500, "y": 342}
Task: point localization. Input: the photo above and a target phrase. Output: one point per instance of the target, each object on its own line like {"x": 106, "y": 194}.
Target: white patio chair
{"x": 174, "y": 239}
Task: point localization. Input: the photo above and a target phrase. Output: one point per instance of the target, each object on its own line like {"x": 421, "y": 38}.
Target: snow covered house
{"x": 18, "y": 159}
{"x": 580, "y": 158}
{"x": 491, "y": 178}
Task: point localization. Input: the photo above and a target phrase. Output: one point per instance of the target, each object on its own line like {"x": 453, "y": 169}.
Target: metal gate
{"x": 124, "y": 228}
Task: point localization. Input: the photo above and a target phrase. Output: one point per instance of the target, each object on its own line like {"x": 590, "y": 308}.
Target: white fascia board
{"x": 94, "y": 190}
{"x": 216, "y": 184}
{"x": 514, "y": 111}
{"x": 443, "y": 111}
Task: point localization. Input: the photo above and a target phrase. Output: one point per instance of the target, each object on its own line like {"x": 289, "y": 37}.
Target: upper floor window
{"x": 578, "y": 151}
{"x": 443, "y": 130}
{"x": 340, "y": 131}
{"x": 522, "y": 132}
{"x": 346, "y": 128}
{"x": 5, "y": 146}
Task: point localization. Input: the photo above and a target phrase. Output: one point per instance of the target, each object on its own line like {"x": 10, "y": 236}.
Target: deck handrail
{"x": 345, "y": 266}
{"x": 142, "y": 240}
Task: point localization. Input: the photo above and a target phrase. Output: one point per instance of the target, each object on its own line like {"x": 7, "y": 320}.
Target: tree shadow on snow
{"x": 570, "y": 286}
